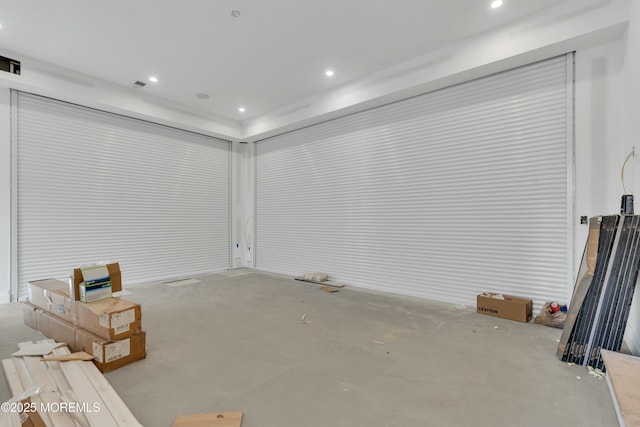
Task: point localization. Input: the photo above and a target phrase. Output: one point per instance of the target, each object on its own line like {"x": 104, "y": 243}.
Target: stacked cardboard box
{"x": 109, "y": 329}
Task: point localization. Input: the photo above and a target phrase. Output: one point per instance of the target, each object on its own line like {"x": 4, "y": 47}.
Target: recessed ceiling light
{"x": 496, "y": 4}
{"x": 328, "y": 73}
{"x": 153, "y": 79}
{"x": 241, "y": 109}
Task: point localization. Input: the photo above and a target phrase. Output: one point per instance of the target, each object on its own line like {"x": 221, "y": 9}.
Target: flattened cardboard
{"x": 592, "y": 244}
{"x": 217, "y": 419}
{"x": 78, "y": 355}
{"x": 109, "y": 356}
{"x": 52, "y": 295}
{"x": 513, "y": 308}
{"x": 114, "y": 274}
{"x": 33, "y": 418}
{"x": 111, "y": 318}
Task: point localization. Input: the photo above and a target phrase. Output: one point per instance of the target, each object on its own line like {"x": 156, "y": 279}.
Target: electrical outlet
{"x": 583, "y": 219}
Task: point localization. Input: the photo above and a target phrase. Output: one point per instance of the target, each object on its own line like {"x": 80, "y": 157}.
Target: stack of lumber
{"x": 66, "y": 393}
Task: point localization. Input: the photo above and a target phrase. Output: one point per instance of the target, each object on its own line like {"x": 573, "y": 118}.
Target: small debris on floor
{"x": 570, "y": 363}
{"x": 496, "y": 327}
{"x": 579, "y": 378}
{"x": 329, "y": 289}
{"x": 596, "y": 372}
{"x": 304, "y": 319}
{"x": 378, "y": 342}
{"x": 222, "y": 419}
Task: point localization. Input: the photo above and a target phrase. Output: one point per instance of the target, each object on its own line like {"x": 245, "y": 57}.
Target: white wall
{"x": 5, "y": 194}
{"x": 607, "y": 128}
{"x": 243, "y": 204}
{"x": 631, "y": 138}
{"x": 599, "y": 144}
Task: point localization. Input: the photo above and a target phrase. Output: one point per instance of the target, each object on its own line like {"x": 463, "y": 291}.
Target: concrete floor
{"x": 235, "y": 342}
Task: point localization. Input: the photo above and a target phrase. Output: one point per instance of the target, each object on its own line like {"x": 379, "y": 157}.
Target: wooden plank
{"x": 85, "y": 393}
{"x": 65, "y": 391}
{"x": 10, "y": 419}
{"x": 623, "y": 376}
{"x": 80, "y": 355}
{"x": 49, "y": 393}
{"x": 217, "y": 419}
{"x": 78, "y": 417}
{"x": 11, "y": 373}
{"x": 116, "y": 406}
{"x": 28, "y": 382}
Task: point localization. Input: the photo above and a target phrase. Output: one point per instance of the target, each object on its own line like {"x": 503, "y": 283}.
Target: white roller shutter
{"x": 456, "y": 192}
{"x": 97, "y": 186}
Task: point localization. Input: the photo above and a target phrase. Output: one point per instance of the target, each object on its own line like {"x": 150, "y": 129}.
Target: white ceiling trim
{"x": 563, "y": 30}
{"x": 570, "y": 26}
{"x": 68, "y": 85}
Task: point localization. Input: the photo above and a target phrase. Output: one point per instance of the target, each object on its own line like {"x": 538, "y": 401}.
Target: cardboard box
{"x": 112, "y": 355}
{"x": 111, "y": 319}
{"x": 108, "y": 355}
{"x": 52, "y": 295}
{"x": 114, "y": 275}
{"x": 30, "y": 315}
{"x": 509, "y": 307}
{"x": 50, "y": 325}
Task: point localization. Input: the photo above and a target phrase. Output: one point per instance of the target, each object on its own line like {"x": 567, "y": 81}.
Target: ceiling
{"x": 271, "y": 56}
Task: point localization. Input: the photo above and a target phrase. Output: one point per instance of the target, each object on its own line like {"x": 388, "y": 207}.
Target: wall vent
{"x": 9, "y": 65}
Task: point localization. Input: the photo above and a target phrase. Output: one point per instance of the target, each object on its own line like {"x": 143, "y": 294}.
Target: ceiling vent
{"x": 9, "y": 65}
{"x": 138, "y": 83}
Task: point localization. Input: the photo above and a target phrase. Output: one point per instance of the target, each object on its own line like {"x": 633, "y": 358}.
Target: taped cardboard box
{"x": 108, "y": 355}
{"x": 505, "y": 306}
{"x": 111, "y": 319}
{"x": 50, "y": 325}
{"x": 30, "y": 316}
{"x": 115, "y": 277}
{"x": 53, "y": 296}
{"x": 112, "y": 355}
